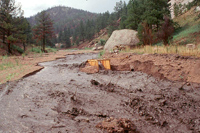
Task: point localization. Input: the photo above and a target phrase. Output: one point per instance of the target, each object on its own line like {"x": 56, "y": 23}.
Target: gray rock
{"x": 122, "y": 37}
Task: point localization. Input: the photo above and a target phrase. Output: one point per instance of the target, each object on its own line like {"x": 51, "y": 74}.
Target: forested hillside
{"x": 65, "y": 17}
{"x": 79, "y": 24}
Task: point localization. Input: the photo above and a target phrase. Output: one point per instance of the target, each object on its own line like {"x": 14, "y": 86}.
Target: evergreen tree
{"x": 149, "y": 14}
{"x": 60, "y": 36}
{"x": 176, "y": 10}
{"x": 11, "y": 17}
{"x": 123, "y": 17}
{"x": 44, "y": 29}
{"x": 67, "y": 34}
{"x": 136, "y": 9}
{"x": 119, "y": 8}
{"x": 151, "y": 11}
{"x": 82, "y": 31}
{"x": 155, "y": 12}
{"x": 24, "y": 33}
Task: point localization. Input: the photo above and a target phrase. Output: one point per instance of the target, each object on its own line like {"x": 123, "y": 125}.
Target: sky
{"x": 96, "y": 6}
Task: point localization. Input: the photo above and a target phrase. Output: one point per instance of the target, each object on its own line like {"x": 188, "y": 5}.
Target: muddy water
{"x": 59, "y": 98}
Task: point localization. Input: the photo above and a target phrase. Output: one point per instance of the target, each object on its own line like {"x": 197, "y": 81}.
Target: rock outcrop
{"x": 122, "y": 37}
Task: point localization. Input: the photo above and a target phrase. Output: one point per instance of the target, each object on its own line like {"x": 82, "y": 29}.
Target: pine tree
{"x": 119, "y": 8}
{"x": 151, "y": 11}
{"x": 44, "y": 29}
{"x": 11, "y": 17}
{"x": 67, "y": 34}
{"x": 136, "y": 9}
{"x": 176, "y": 10}
{"x": 155, "y": 12}
{"x": 24, "y": 35}
{"x": 82, "y": 31}
{"x": 150, "y": 15}
{"x": 123, "y": 17}
{"x": 60, "y": 36}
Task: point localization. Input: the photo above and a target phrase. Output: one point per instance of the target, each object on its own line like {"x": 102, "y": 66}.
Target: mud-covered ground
{"x": 61, "y": 99}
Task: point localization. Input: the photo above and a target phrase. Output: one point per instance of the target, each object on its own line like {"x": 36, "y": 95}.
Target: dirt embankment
{"x": 171, "y": 67}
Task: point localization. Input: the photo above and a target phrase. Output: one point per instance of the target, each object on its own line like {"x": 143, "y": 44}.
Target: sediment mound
{"x": 171, "y": 67}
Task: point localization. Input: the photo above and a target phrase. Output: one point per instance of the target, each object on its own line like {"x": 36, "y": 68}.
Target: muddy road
{"x": 61, "y": 99}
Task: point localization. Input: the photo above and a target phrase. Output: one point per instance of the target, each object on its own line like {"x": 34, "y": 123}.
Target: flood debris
{"x": 113, "y": 125}
{"x": 62, "y": 99}
{"x": 94, "y": 82}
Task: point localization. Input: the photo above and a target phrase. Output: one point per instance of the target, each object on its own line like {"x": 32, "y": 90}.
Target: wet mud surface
{"x": 60, "y": 98}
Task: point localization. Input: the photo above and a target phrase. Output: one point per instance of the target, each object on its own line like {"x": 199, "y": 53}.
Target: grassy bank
{"x": 181, "y": 50}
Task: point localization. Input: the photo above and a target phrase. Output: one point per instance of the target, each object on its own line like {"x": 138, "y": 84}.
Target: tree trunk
{"x": 24, "y": 45}
{"x": 9, "y": 49}
{"x": 43, "y": 44}
{"x": 4, "y": 38}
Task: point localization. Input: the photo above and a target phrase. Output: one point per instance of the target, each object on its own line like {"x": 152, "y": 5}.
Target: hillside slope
{"x": 189, "y": 30}
{"x": 178, "y": 2}
{"x": 65, "y": 17}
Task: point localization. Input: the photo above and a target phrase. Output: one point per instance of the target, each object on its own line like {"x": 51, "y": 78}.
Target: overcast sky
{"x": 97, "y": 6}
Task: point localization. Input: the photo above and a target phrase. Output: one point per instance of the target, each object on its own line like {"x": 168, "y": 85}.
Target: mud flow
{"x": 61, "y": 99}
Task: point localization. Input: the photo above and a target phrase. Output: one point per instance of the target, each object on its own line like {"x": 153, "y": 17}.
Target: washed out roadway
{"x": 60, "y": 98}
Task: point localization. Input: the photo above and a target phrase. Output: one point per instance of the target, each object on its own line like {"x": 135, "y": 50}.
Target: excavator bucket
{"x": 104, "y": 62}
{"x": 93, "y": 62}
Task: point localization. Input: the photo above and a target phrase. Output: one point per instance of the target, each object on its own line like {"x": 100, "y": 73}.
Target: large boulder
{"x": 122, "y": 37}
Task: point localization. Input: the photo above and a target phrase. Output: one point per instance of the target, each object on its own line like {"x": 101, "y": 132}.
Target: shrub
{"x": 102, "y": 42}
{"x": 166, "y": 31}
{"x": 36, "y": 50}
{"x": 49, "y": 49}
{"x": 101, "y": 54}
{"x": 20, "y": 50}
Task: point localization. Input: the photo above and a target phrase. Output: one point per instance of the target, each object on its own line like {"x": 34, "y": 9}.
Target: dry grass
{"x": 180, "y": 50}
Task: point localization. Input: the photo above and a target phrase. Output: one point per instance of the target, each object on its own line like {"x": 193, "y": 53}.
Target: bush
{"x": 102, "y": 42}
{"x": 101, "y": 54}
{"x": 20, "y": 50}
{"x": 36, "y": 50}
{"x": 49, "y": 49}
{"x": 166, "y": 31}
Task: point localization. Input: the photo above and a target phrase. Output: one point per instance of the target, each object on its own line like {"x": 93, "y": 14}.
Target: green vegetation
{"x": 13, "y": 25}
{"x": 6, "y": 63}
{"x": 36, "y": 50}
{"x": 101, "y": 54}
{"x": 185, "y": 32}
{"x": 43, "y": 31}
{"x": 17, "y": 48}
{"x": 189, "y": 29}
{"x": 49, "y": 50}
{"x": 10, "y": 76}
{"x": 87, "y": 48}
{"x": 102, "y": 42}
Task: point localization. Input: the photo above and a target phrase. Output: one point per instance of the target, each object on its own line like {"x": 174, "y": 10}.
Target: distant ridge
{"x": 65, "y": 17}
